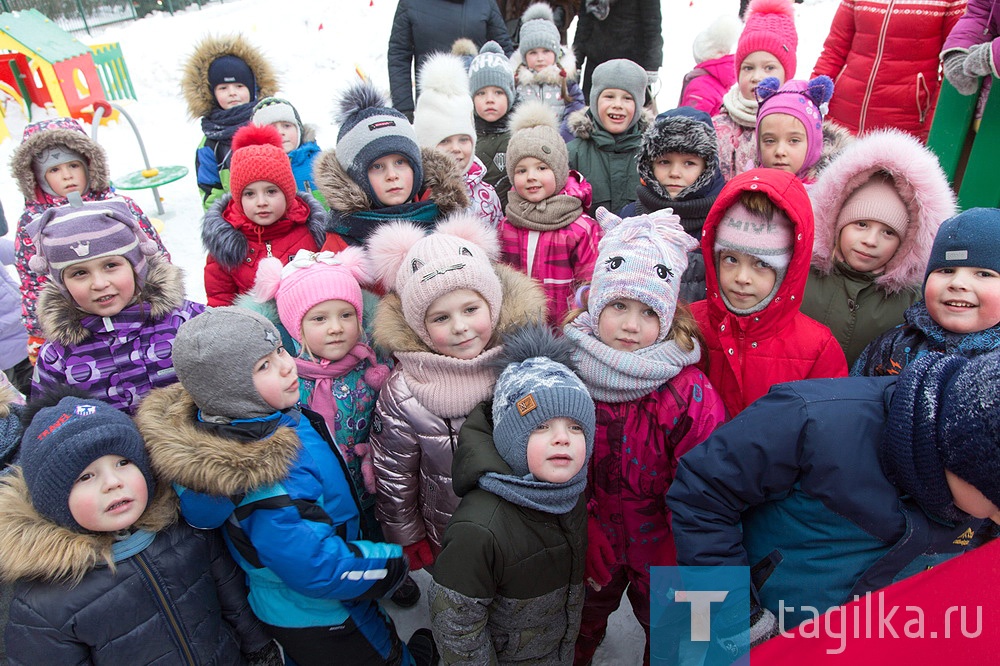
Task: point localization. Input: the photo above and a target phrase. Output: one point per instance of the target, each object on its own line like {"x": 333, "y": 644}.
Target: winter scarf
{"x": 221, "y": 124}
{"x": 615, "y": 376}
{"x": 356, "y": 227}
{"x": 963, "y": 344}
{"x": 324, "y": 372}
{"x": 498, "y": 126}
{"x": 526, "y": 491}
{"x": 741, "y": 110}
{"x": 692, "y": 212}
{"x": 449, "y": 387}
{"x": 556, "y": 212}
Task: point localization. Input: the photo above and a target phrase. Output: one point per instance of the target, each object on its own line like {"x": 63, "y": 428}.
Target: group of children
{"x": 402, "y": 369}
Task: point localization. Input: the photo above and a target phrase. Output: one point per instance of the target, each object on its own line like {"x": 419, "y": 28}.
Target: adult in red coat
{"x": 747, "y": 354}
{"x": 883, "y": 56}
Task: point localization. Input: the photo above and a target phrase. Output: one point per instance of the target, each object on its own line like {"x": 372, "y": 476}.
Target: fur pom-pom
{"x": 445, "y": 74}
{"x": 820, "y": 89}
{"x": 532, "y": 341}
{"x": 473, "y": 229}
{"x": 256, "y": 135}
{"x": 539, "y": 10}
{"x": 768, "y": 88}
{"x": 464, "y": 47}
{"x": 770, "y": 7}
{"x": 717, "y": 39}
{"x": 265, "y": 286}
{"x": 355, "y": 261}
{"x": 360, "y": 96}
{"x": 532, "y": 114}
{"x": 387, "y": 249}
{"x": 376, "y": 375}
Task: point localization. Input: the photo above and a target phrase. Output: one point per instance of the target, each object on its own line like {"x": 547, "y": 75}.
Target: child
{"x": 264, "y": 216}
{"x": 877, "y": 207}
{"x": 547, "y": 233}
{"x": 221, "y": 82}
{"x": 229, "y": 437}
{"x": 715, "y": 73}
{"x": 112, "y": 306}
{"x": 791, "y": 134}
{"x": 491, "y": 84}
{"x": 447, "y": 308}
{"x": 443, "y": 120}
{"x": 608, "y": 134}
{"x": 379, "y": 174}
{"x": 756, "y": 244}
{"x": 636, "y": 352}
{"x": 544, "y": 70}
{"x": 57, "y": 157}
{"x": 109, "y": 574}
{"x": 765, "y": 48}
{"x": 521, "y": 468}
{"x": 679, "y": 169}
{"x": 830, "y": 490}
{"x": 297, "y": 140}
{"x": 960, "y": 311}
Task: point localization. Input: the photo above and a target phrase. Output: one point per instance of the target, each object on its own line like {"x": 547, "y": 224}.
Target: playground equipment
{"x": 966, "y": 146}
{"x": 149, "y": 178}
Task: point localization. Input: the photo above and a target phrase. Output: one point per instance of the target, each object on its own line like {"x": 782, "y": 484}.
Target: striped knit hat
{"x": 81, "y": 231}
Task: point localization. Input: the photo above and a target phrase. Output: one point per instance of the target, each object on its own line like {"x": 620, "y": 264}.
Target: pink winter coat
{"x": 704, "y": 92}
{"x": 749, "y": 354}
{"x": 559, "y": 260}
{"x": 737, "y": 145}
{"x": 485, "y": 204}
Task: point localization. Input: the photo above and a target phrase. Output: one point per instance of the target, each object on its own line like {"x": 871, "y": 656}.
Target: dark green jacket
{"x": 609, "y": 162}
{"x": 491, "y": 149}
{"x": 508, "y": 584}
{"x": 853, "y": 306}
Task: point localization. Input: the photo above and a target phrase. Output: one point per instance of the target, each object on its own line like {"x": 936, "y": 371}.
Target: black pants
{"x": 321, "y": 646}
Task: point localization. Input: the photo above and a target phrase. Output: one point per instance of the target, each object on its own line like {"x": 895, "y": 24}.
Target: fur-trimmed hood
{"x": 836, "y": 139}
{"x": 553, "y": 75}
{"x": 229, "y": 245}
{"x": 194, "y": 78}
{"x": 62, "y": 321}
{"x": 524, "y": 303}
{"x": 62, "y": 132}
{"x": 581, "y": 123}
{"x": 921, "y": 184}
{"x": 196, "y": 458}
{"x": 34, "y": 547}
{"x": 441, "y": 176}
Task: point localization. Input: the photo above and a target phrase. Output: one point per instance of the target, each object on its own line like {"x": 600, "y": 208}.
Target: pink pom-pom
{"x": 355, "y": 261}
{"x": 469, "y": 227}
{"x": 38, "y": 264}
{"x": 265, "y": 287}
{"x": 256, "y": 135}
{"x": 387, "y": 249}
{"x": 148, "y": 247}
{"x": 770, "y": 7}
{"x": 376, "y": 375}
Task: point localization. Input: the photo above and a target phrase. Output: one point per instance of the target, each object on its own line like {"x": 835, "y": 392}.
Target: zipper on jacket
{"x": 878, "y": 59}
{"x": 166, "y": 607}
{"x": 452, "y": 435}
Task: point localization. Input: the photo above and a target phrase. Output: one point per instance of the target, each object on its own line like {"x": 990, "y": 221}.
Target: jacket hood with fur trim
{"x": 581, "y": 123}
{"x": 921, "y": 184}
{"x": 551, "y": 75}
{"x": 33, "y": 547}
{"x": 194, "y": 79}
{"x": 198, "y": 459}
{"x": 524, "y": 303}
{"x": 441, "y": 176}
{"x": 163, "y": 290}
{"x": 74, "y": 138}
{"x": 836, "y": 138}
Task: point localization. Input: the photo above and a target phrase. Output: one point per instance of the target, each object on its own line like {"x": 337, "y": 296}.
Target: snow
{"x": 317, "y": 49}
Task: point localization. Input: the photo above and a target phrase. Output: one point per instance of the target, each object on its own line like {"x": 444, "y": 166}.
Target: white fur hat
{"x": 718, "y": 39}
{"x": 444, "y": 106}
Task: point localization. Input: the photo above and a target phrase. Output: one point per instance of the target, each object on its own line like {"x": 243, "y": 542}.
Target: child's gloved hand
{"x": 419, "y": 554}
{"x": 34, "y": 344}
{"x": 364, "y": 452}
{"x": 269, "y": 655}
{"x": 954, "y": 71}
{"x": 979, "y": 62}
{"x": 600, "y": 556}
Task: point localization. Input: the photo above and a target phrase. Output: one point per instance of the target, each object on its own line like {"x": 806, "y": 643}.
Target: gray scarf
{"x": 527, "y": 491}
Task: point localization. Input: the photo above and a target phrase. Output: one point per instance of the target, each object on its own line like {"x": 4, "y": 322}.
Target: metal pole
{"x": 79, "y": 6}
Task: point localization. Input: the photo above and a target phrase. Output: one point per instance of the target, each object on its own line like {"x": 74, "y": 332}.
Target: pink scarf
{"x": 324, "y": 372}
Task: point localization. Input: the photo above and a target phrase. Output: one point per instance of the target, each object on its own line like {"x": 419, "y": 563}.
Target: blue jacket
{"x": 794, "y": 483}
{"x": 281, "y": 491}
{"x": 302, "y": 159}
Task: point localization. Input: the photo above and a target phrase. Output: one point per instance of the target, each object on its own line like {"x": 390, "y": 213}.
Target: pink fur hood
{"x": 921, "y": 183}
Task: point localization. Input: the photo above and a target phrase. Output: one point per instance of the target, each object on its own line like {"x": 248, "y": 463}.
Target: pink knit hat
{"x": 744, "y": 231}
{"x": 877, "y": 199}
{"x": 311, "y": 278}
{"x": 770, "y": 26}
{"x": 458, "y": 254}
{"x": 804, "y": 100}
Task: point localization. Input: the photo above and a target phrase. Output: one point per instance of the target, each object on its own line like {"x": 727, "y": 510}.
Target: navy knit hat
{"x": 230, "y": 69}
{"x": 62, "y": 440}
{"x": 971, "y": 238}
{"x": 370, "y": 130}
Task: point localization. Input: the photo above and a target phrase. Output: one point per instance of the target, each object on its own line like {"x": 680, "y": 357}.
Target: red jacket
{"x": 747, "y": 355}
{"x": 883, "y": 56}
{"x": 236, "y": 245}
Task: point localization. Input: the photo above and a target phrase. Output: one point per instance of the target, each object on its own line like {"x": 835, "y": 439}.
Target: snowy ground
{"x": 316, "y": 47}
